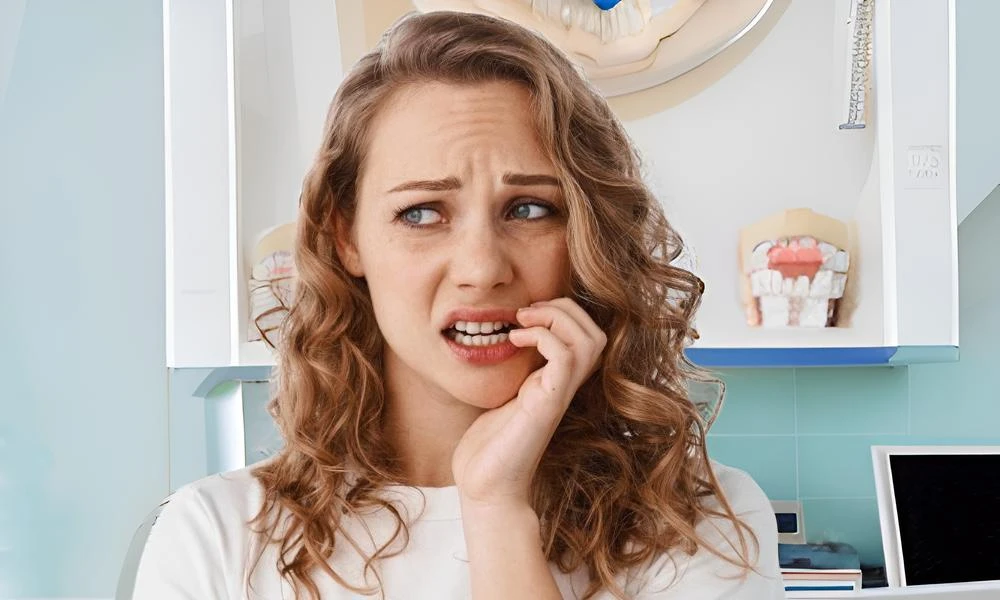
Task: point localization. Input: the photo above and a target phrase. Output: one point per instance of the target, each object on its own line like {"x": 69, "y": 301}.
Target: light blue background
{"x": 83, "y": 400}
{"x": 83, "y": 411}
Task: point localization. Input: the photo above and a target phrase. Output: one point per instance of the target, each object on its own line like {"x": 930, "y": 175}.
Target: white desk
{"x": 953, "y": 591}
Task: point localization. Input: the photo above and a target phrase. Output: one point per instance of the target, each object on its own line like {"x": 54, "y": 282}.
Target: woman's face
{"x": 459, "y": 223}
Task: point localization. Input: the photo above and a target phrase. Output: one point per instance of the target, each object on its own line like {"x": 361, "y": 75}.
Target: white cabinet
{"x": 247, "y": 86}
{"x": 750, "y": 133}
{"x": 759, "y": 134}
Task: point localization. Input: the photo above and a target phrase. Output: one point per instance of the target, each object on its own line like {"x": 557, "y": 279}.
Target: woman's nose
{"x": 480, "y": 258}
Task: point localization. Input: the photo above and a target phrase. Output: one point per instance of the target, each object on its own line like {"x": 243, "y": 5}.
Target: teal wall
{"x": 806, "y": 433}
{"x": 83, "y": 435}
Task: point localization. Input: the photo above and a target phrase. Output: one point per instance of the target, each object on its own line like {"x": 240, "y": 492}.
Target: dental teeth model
{"x": 271, "y": 284}
{"x": 626, "y": 18}
{"x": 623, "y": 46}
{"x": 796, "y": 275}
{"x": 620, "y": 39}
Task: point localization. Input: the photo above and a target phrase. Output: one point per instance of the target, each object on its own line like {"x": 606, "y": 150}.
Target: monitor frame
{"x": 887, "y": 516}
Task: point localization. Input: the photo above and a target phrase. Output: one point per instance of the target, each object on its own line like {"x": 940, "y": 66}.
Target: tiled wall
{"x": 805, "y": 433}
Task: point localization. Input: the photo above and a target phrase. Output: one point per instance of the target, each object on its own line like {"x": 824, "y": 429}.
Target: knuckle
{"x": 602, "y": 339}
{"x": 565, "y": 355}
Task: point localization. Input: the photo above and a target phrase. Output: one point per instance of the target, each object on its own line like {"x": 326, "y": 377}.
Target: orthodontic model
{"x": 627, "y": 45}
{"x": 618, "y": 40}
{"x": 648, "y": 21}
{"x": 271, "y": 284}
{"x": 795, "y": 268}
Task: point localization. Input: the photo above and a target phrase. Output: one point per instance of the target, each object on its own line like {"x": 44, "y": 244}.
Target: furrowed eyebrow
{"x": 526, "y": 179}
{"x": 429, "y": 185}
{"x": 452, "y": 183}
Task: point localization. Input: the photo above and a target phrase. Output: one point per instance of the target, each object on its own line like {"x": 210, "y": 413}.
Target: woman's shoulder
{"x": 199, "y": 537}
{"x": 750, "y": 505}
{"x": 228, "y": 485}
{"x": 230, "y": 494}
{"x": 740, "y": 489}
{"x": 710, "y": 572}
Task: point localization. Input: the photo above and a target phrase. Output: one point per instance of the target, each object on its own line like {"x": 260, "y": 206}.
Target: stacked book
{"x": 821, "y": 583}
{"x": 819, "y": 570}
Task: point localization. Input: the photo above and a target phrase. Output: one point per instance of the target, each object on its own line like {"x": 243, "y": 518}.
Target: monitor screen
{"x": 948, "y": 513}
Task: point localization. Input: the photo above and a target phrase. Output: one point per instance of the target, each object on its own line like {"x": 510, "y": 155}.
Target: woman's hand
{"x": 495, "y": 460}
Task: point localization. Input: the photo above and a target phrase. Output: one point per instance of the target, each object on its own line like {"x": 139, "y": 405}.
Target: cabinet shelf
{"x": 820, "y": 357}
{"x": 705, "y": 357}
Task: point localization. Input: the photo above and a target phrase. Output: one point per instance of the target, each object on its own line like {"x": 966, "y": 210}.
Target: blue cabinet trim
{"x": 790, "y": 357}
{"x": 821, "y": 357}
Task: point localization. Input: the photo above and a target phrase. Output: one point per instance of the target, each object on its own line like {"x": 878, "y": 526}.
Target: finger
{"x": 558, "y": 321}
{"x": 581, "y": 316}
{"x": 547, "y": 343}
{"x": 560, "y": 357}
{"x": 599, "y": 336}
{"x": 564, "y": 319}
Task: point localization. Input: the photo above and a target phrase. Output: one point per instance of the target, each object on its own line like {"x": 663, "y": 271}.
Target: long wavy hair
{"x": 625, "y": 476}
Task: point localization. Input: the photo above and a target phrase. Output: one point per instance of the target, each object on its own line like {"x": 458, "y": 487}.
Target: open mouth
{"x": 796, "y": 281}
{"x": 470, "y": 333}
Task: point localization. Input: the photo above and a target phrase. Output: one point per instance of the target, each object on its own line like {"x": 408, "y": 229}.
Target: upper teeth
{"x": 473, "y": 327}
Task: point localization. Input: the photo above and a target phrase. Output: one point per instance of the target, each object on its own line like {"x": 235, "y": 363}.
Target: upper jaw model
{"x": 795, "y": 267}
{"x": 622, "y": 38}
{"x": 631, "y": 44}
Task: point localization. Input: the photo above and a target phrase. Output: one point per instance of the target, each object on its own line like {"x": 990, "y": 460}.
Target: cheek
{"x": 547, "y": 268}
{"x": 400, "y": 286}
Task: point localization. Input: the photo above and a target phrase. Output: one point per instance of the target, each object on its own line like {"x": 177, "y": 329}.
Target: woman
{"x": 481, "y": 385}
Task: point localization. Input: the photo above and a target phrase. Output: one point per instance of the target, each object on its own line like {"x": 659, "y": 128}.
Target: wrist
{"x": 503, "y": 502}
{"x": 506, "y": 552}
{"x": 499, "y": 516}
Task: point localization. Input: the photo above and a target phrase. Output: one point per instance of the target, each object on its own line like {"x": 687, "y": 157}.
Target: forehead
{"x": 429, "y": 125}
{"x": 439, "y": 99}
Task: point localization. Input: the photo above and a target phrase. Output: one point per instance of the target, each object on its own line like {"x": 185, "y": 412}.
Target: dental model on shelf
{"x": 633, "y": 28}
{"x": 271, "y": 284}
{"x": 626, "y": 45}
{"x": 795, "y": 268}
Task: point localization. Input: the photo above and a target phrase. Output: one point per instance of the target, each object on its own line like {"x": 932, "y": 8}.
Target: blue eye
{"x": 419, "y": 215}
{"x": 530, "y": 211}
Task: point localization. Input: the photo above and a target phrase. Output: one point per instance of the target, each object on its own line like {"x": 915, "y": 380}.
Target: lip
{"x": 481, "y": 355}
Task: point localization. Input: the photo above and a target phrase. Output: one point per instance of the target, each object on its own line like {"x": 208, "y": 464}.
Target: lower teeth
{"x": 478, "y": 340}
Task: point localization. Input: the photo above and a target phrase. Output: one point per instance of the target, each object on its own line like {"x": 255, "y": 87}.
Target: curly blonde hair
{"x": 624, "y": 477}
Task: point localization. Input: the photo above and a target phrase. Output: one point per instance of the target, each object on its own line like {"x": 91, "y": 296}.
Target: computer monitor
{"x": 946, "y": 591}
{"x": 939, "y": 510}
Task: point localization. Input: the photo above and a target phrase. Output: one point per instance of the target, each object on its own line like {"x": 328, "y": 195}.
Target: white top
{"x": 201, "y": 547}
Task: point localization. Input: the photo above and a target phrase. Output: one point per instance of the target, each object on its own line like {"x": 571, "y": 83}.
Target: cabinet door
{"x": 247, "y": 88}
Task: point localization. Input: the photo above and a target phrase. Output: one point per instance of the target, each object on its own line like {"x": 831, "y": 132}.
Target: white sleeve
{"x": 706, "y": 576}
{"x": 182, "y": 555}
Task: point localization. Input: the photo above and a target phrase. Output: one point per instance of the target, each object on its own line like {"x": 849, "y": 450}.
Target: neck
{"x": 423, "y": 425}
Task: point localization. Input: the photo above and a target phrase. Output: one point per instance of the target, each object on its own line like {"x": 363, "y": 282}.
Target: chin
{"x": 489, "y": 391}
{"x": 489, "y": 403}
{"x": 487, "y": 397}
